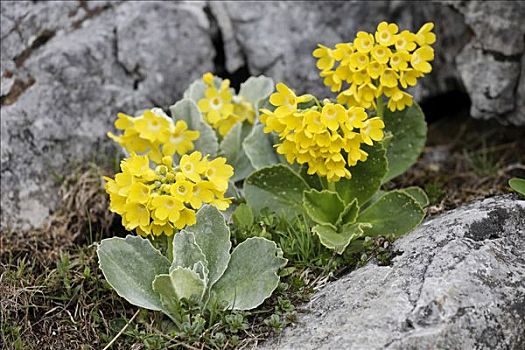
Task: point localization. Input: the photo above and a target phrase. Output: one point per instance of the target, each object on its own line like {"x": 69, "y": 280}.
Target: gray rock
{"x": 458, "y": 284}
{"x": 486, "y": 38}
{"x": 64, "y": 94}
{"x": 68, "y": 67}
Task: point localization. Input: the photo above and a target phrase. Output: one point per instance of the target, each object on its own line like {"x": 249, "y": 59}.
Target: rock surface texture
{"x": 68, "y": 67}
{"x": 458, "y": 284}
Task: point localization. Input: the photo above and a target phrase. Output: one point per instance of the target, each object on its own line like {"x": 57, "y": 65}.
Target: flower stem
{"x": 380, "y": 107}
{"x": 169, "y": 250}
{"x": 331, "y": 186}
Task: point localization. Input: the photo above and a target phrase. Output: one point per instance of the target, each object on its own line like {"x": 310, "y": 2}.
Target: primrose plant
{"x": 323, "y": 159}
{"x": 341, "y": 152}
{"x": 171, "y": 188}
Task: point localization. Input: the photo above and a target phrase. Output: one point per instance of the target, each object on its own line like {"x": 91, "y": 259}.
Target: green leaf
{"x": 277, "y": 188}
{"x": 186, "y": 252}
{"x": 409, "y": 131}
{"x": 256, "y": 89}
{"x": 418, "y": 194}
{"x": 130, "y": 265}
{"x": 213, "y": 238}
{"x": 251, "y": 276}
{"x": 314, "y": 181}
{"x": 338, "y": 241}
{"x": 395, "y": 213}
{"x": 323, "y": 207}
{"x": 180, "y": 283}
{"x": 366, "y": 176}
{"x": 259, "y": 148}
{"x": 195, "y": 91}
{"x": 231, "y": 148}
{"x": 517, "y": 185}
{"x": 188, "y": 111}
{"x": 349, "y": 215}
{"x": 243, "y": 216}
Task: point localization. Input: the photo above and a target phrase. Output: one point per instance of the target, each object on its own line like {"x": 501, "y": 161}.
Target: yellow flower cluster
{"x": 377, "y": 64}
{"x": 221, "y": 108}
{"x": 327, "y": 138}
{"x": 154, "y": 134}
{"x": 156, "y": 202}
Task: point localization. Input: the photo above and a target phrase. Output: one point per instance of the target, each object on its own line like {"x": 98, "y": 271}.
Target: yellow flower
{"x": 381, "y": 54}
{"x": 220, "y": 202}
{"x": 202, "y": 193}
{"x": 375, "y": 62}
{"x": 218, "y": 173}
{"x": 285, "y": 100}
{"x": 151, "y": 132}
{"x": 313, "y": 123}
{"x": 192, "y": 166}
{"x": 138, "y": 166}
{"x": 151, "y": 125}
{"x": 243, "y": 110}
{"x": 139, "y": 193}
{"x": 336, "y": 168}
{"x": 424, "y": 35}
{"x": 360, "y": 77}
{"x": 332, "y": 79}
{"x": 389, "y": 78}
{"x": 325, "y": 57}
{"x": 348, "y": 97}
{"x": 159, "y": 229}
{"x": 225, "y": 125}
{"x": 216, "y": 104}
{"x": 182, "y": 189}
{"x": 187, "y": 218}
{"x": 358, "y": 61}
{"x": 124, "y": 121}
{"x": 136, "y": 215}
{"x": 343, "y": 50}
{"x": 152, "y": 205}
{"x": 117, "y": 203}
{"x": 406, "y": 41}
{"x": 179, "y": 140}
{"x": 372, "y": 130}
{"x": 288, "y": 149}
{"x": 343, "y": 72}
{"x": 271, "y": 121}
{"x": 220, "y": 108}
{"x": 421, "y": 57}
{"x": 355, "y": 117}
{"x": 166, "y": 208}
{"x": 386, "y": 33}
{"x": 364, "y": 42}
{"x": 332, "y": 115}
{"x": 375, "y": 69}
{"x": 124, "y": 180}
{"x": 399, "y": 60}
{"x": 208, "y": 78}
{"x": 409, "y": 77}
{"x": 399, "y": 101}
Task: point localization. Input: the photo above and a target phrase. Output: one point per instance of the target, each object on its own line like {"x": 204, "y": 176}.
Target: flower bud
{"x": 167, "y": 161}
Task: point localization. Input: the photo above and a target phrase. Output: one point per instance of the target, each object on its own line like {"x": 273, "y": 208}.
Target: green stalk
{"x": 331, "y": 186}
{"x": 169, "y": 252}
{"x": 380, "y": 107}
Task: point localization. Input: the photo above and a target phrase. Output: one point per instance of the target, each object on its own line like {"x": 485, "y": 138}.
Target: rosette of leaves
{"x": 246, "y": 147}
{"x": 202, "y": 268}
{"x": 358, "y": 207}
